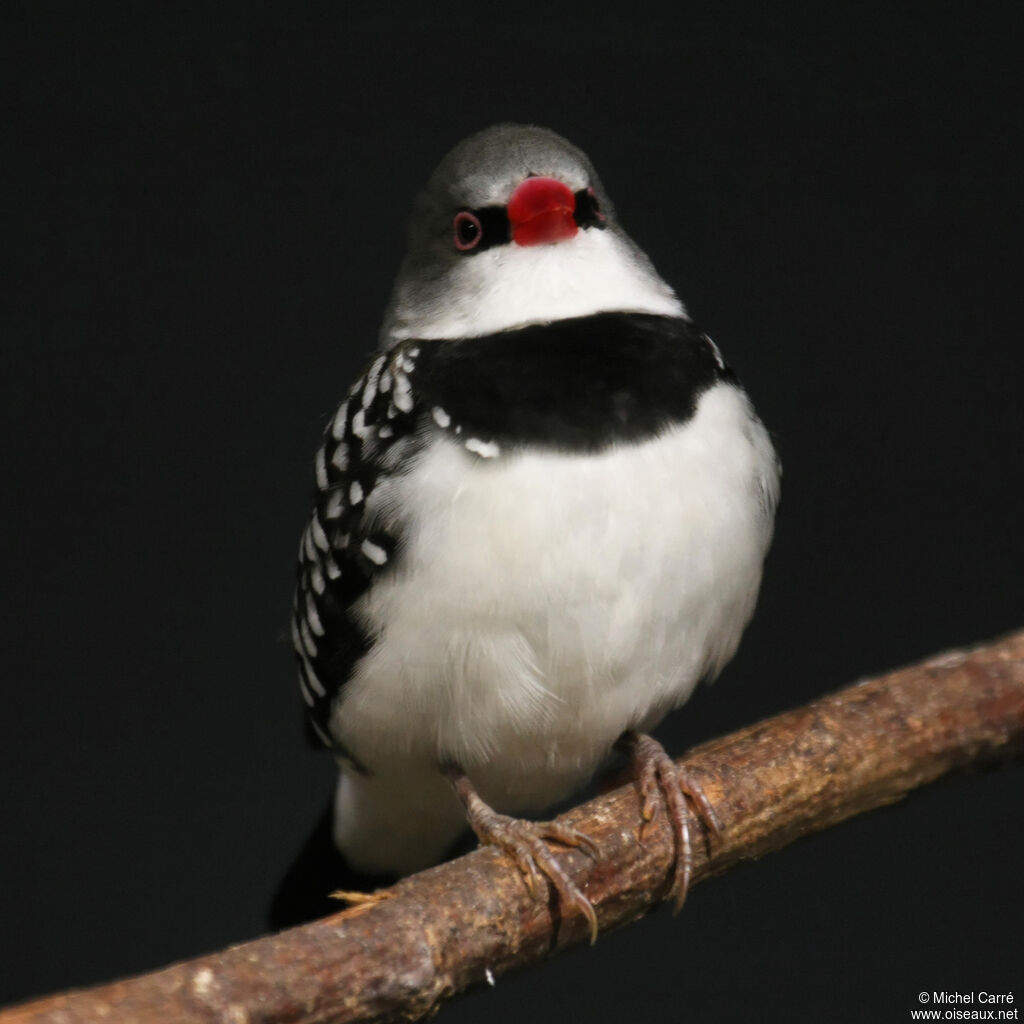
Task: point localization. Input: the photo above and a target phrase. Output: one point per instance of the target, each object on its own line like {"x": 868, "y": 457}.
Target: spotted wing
{"x": 373, "y": 433}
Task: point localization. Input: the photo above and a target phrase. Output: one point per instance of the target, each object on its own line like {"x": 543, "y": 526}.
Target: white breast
{"x": 545, "y": 602}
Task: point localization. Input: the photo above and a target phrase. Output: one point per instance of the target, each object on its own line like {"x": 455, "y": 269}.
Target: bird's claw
{"x": 569, "y": 836}
{"x": 663, "y": 783}
{"x": 524, "y": 841}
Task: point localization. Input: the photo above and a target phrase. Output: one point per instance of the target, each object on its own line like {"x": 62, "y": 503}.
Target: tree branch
{"x": 452, "y": 926}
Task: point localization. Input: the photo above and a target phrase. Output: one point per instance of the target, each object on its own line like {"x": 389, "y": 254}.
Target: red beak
{"x": 541, "y": 210}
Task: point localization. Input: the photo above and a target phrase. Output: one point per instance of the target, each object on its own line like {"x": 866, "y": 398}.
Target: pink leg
{"x": 524, "y": 842}
{"x": 663, "y": 783}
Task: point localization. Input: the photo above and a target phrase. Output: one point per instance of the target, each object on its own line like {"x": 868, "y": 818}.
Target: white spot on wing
{"x": 313, "y": 617}
{"x": 335, "y": 505}
{"x": 359, "y": 427}
{"x": 485, "y": 449}
{"x": 403, "y": 393}
{"x": 340, "y": 457}
{"x": 321, "y": 468}
{"x": 355, "y": 492}
{"x": 370, "y": 391}
{"x": 441, "y": 418}
{"x": 385, "y": 432}
{"x": 715, "y": 352}
{"x": 338, "y": 426}
{"x": 374, "y": 552}
{"x": 308, "y": 643}
{"x": 319, "y": 537}
{"x": 311, "y": 677}
{"x": 316, "y": 578}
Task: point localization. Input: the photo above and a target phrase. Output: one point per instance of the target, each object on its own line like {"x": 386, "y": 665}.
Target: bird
{"x": 540, "y": 520}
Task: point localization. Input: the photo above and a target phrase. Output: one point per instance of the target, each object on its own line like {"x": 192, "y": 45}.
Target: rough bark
{"x": 448, "y": 928}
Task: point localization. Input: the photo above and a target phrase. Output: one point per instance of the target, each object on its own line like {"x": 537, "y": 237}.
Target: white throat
{"x": 511, "y": 286}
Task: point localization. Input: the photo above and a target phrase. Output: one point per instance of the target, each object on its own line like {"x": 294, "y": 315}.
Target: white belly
{"x": 546, "y": 602}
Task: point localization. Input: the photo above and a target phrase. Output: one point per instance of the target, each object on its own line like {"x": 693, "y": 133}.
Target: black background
{"x": 208, "y": 209}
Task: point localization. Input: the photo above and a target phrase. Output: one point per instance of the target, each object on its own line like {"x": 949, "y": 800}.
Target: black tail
{"x": 318, "y": 870}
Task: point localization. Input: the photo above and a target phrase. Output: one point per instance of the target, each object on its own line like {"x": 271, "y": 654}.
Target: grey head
{"x": 472, "y": 267}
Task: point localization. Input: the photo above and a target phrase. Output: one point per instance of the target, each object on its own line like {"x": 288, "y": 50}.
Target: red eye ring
{"x": 467, "y": 231}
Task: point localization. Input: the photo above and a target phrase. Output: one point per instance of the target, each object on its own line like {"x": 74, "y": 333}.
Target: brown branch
{"x": 447, "y": 928}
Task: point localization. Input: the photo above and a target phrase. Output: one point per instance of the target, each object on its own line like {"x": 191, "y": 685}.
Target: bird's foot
{"x": 525, "y": 842}
{"x": 664, "y": 783}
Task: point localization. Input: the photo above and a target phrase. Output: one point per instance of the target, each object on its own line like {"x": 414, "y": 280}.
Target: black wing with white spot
{"x": 373, "y": 432}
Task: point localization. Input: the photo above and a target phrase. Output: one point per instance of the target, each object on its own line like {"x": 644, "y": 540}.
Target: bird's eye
{"x": 468, "y": 231}
{"x": 595, "y": 204}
